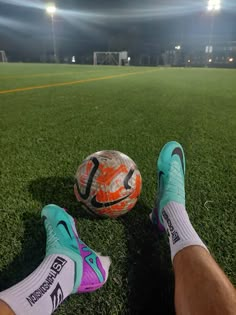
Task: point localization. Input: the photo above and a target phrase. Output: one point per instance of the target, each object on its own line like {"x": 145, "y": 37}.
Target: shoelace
{"x": 52, "y": 238}
{"x": 176, "y": 180}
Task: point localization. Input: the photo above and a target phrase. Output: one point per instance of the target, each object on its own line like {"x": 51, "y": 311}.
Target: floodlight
{"x": 189, "y": 61}
{"x": 214, "y": 5}
{"x": 129, "y": 58}
{"x": 231, "y": 59}
{"x": 210, "y": 60}
{"x": 51, "y": 9}
{"x": 178, "y": 47}
{"x": 209, "y": 7}
{"x": 73, "y": 59}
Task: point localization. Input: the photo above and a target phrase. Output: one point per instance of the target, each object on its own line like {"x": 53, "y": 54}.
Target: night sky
{"x": 139, "y": 26}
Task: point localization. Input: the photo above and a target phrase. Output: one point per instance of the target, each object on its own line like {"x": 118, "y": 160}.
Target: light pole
{"x": 213, "y": 8}
{"x": 51, "y": 10}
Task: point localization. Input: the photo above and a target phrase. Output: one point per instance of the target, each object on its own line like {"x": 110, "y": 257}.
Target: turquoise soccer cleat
{"x": 91, "y": 269}
{"x": 171, "y": 171}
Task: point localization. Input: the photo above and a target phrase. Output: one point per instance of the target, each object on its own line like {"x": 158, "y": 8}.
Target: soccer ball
{"x": 108, "y": 183}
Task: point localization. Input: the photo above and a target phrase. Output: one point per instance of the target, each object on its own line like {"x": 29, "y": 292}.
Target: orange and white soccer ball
{"x": 108, "y": 183}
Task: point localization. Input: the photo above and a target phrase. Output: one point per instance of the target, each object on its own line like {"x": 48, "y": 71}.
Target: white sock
{"x": 179, "y": 228}
{"x": 43, "y": 290}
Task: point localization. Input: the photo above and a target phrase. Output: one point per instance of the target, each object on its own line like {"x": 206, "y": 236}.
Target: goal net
{"x": 3, "y": 57}
{"x": 114, "y": 58}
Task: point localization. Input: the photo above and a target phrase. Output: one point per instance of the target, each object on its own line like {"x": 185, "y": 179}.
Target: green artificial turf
{"x": 45, "y": 135}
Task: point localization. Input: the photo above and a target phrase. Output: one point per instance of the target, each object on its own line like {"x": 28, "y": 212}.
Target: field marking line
{"x": 45, "y": 86}
{"x": 43, "y": 75}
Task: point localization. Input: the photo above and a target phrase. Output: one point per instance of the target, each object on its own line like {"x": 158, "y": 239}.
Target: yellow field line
{"x": 45, "y": 86}
{"x": 43, "y": 75}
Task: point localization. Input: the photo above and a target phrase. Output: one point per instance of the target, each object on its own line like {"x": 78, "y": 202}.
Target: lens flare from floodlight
{"x": 51, "y": 9}
{"x": 210, "y": 60}
{"x": 129, "y": 58}
{"x": 231, "y": 59}
{"x": 189, "y": 61}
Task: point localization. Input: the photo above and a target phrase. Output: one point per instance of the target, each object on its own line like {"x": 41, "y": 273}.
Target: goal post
{"x": 3, "y": 57}
{"x": 113, "y": 58}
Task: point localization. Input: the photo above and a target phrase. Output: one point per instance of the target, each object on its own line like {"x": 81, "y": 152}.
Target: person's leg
{"x": 69, "y": 267}
{"x": 201, "y": 286}
{"x": 5, "y": 309}
{"x": 198, "y": 279}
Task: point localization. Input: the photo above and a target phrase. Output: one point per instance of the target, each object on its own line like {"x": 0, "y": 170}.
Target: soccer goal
{"x": 3, "y": 57}
{"x": 114, "y": 58}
